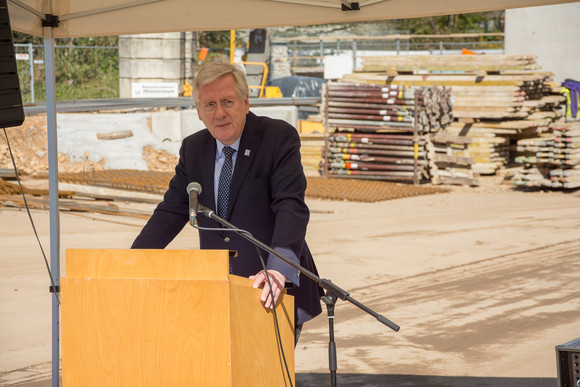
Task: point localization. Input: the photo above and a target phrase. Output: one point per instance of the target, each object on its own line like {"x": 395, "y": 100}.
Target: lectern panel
{"x": 163, "y": 333}
{"x": 255, "y": 342}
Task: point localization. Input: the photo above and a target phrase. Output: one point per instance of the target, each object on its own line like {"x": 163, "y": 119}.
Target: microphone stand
{"x": 332, "y": 292}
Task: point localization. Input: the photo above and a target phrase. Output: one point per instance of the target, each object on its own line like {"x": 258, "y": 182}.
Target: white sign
{"x": 22, "y": 57}
{"x": 154, "y": 90}
{"x": 336, "y": 66}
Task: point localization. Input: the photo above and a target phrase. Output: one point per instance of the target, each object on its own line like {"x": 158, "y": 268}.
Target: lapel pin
{"x": 247, "y": 152}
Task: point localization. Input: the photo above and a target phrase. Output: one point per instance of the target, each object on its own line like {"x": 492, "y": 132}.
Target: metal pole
{"x": 416, "y": 140}
{"x": 295, "y": 54}
{"x": 330, "y": 301}
{"x": 31, "y": 70}
{"x": 354, "y": 54}
{"x": 53, "y": 199}
{"x": 398, "y": 44}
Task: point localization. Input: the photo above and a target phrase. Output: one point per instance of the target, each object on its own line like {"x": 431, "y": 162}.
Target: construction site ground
{"x": 482, "y": 280}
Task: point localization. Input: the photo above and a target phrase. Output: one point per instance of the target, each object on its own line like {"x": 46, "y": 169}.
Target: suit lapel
{"x": 208, "y": 156}
{"x": 249, "y": 145}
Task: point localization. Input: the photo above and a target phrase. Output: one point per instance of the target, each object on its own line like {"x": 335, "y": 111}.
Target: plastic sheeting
{"x": 299, "y": 86}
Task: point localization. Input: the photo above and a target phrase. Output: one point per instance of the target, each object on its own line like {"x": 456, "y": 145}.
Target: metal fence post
{"x": 354, "y": 54}
{"x": 31, "y": 70}
{"x": 398, "y": 44}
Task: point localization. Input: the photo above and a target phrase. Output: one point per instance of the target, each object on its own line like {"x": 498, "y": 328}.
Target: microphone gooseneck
{"x": 193, "y": 190}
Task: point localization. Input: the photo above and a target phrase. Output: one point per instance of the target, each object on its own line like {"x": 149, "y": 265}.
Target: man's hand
{"x": 277, "y": 279}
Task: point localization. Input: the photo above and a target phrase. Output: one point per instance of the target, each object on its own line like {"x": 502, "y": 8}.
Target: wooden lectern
{"x": 168, "y": 318}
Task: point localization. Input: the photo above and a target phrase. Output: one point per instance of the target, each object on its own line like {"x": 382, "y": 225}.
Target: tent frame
{"x": 53, "y": 198}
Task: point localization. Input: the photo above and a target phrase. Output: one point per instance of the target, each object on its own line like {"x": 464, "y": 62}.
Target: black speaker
{"x": 11, "y": 110}
{"x": 568, "y": 357}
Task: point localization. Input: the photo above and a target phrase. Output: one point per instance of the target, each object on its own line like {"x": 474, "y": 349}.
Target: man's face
{"x": 224, "y": 120}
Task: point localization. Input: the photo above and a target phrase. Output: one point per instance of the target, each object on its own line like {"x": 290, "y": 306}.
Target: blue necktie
{"x": 225, "y": 181}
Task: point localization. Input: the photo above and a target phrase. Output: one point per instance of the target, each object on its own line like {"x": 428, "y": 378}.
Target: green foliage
{"x": 447, "y": 24}
{"x": 218, "y": 43}
{"x": 452, "y": 24}
{"x": 214, "y": 39}
{"x": 78, "y": 67}
{"x": 85, "y": 68}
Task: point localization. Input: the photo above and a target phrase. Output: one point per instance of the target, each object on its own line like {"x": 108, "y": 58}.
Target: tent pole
{"x": 53, "y": 199}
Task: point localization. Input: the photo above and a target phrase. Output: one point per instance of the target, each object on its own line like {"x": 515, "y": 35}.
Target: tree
{"x": 452, "y": 24}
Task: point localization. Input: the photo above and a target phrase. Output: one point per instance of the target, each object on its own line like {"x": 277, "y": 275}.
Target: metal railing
{"x": 307, "y": 53}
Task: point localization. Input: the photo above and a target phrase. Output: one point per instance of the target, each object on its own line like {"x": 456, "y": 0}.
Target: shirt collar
{"x": 220, "y": 146}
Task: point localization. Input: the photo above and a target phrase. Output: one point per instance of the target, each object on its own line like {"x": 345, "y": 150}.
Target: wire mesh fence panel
{"x": 82, "y": 72}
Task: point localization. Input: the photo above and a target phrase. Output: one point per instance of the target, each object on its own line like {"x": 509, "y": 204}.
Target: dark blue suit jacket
{"x": 266, "y": 199}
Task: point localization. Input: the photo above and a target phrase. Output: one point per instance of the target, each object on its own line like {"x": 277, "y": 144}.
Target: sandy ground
{"x": 482, "y": 283}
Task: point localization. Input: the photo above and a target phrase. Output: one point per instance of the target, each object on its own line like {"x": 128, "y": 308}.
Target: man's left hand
{"x": 277, "y": 279}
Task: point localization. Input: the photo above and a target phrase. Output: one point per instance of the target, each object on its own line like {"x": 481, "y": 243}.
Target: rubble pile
{"x": 29, "y": 144}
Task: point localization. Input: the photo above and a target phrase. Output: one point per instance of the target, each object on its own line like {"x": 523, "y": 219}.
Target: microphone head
{"x": 194, "y": 186}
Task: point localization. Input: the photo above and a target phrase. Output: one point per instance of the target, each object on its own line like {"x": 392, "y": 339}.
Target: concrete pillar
{"x": 551, "y": 32}
{"x": 280, "y": 64}
{"x": 190, "y": 50}
{"x": 155, "y": 58}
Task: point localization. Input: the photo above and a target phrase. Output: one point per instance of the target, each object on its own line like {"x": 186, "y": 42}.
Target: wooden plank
{"x": 459, "y": 180}
{"x": 8, "y": 173}
{"x": 64, "y": 205}
{"x": 115, "y": 135}
{"x": 452, "y": 159}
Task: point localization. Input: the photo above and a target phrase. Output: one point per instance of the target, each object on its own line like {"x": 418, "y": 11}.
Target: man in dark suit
{"x": 266, "y": 193}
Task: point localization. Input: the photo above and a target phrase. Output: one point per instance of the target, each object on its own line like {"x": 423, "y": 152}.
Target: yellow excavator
{"x": 256, "y": 63}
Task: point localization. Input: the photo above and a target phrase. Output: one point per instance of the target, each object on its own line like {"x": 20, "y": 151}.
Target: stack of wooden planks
{"x": 381, "y": 133}
{"x": 449, "y": 159}
{"x": 431, "y": 63}
{"x": 491, "y": 145}
{"x": 552, "y": 160}
{"x": 311, "y": 150}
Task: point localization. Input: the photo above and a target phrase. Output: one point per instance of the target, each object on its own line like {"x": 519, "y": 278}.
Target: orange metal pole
{"x": 232, "y": 45}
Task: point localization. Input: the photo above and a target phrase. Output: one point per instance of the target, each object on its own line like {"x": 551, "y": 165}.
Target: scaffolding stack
{"x": 382, "y": 132}
{"x": 552, "y": 160}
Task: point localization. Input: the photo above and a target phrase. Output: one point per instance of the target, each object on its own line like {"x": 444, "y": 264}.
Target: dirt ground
{"x": 482, "y": 281}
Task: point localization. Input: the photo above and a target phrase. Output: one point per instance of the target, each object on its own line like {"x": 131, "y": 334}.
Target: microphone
{"x": 193, "y": 190}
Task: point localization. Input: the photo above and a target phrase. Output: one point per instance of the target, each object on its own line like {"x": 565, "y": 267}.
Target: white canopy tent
{"x": 117, "y": 17}
{"x": 80, "y": 18}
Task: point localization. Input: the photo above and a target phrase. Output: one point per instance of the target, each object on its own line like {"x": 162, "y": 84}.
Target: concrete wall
{"x": 551, "y": 32}
{"x": 172, "y": 126}
{"x": 152, "y": 58}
